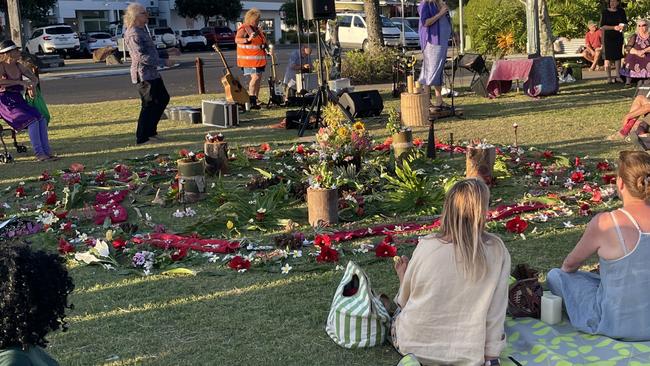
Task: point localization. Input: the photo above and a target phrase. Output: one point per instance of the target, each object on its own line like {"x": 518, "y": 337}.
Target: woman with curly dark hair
{"x": 34, "y": 289}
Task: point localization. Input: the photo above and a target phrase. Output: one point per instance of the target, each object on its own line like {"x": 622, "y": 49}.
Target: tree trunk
{"x": 322, "y": 206}
{"x": 375, "y": 36}
{"x": 545, "y": 30}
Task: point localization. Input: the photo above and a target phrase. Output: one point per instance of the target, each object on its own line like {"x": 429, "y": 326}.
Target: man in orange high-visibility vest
{"x": 251, "y": 52}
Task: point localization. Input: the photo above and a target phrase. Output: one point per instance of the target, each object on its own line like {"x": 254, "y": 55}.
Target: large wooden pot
{"x": 191, "y": 180}
{"x": 479, "y": 162}
{"x": 402, "y": 143}
{"x": 216, "y": 157}
{"x": 322, "y": 205}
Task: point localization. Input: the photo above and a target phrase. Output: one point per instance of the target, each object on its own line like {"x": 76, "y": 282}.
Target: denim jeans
{"x": 38, "y": 136}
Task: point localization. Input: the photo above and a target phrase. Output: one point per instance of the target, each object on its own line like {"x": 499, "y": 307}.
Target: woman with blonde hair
{"x": 453, "y": 292}
{"x": 615, "y": 302}
{"x": 144, "y": 73}
{"x": 251, "y": 52}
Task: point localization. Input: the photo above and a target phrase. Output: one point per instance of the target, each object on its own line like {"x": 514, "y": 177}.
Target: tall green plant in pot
{"x": 402, "y": 136}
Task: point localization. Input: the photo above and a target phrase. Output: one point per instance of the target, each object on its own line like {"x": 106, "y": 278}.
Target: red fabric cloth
{"x": 595, "y": 39}
{"x": 504, "y": 71}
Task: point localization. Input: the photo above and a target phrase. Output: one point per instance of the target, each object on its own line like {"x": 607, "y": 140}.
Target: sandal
{"x": 42, "y": 157}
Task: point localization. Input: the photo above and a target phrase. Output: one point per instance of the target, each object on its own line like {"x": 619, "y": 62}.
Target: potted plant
{"x": 343, "y": 142}
{"x": 322, "y": 194}
{"x": 191, "y": 176}
{"x": 402, "y": 136}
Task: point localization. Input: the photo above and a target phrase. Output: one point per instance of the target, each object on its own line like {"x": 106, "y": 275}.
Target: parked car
{"x": 191, "y": 39}
{"x": 164, "y": 37}
{"x": 353, "y": 32}
{"x": 411, "y": 37}
{"x": 58, "y": 38}
{"x": 223, "y": 36}
{"x": 92, "y": 41}
{"x": 413, "y": 22}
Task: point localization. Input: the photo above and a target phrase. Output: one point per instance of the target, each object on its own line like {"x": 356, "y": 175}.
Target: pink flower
{"x": 322, "y": 240}
{"x": 547, "y": 154}
{"x": 577, "y": 177}
{"x": 609, "y": 179}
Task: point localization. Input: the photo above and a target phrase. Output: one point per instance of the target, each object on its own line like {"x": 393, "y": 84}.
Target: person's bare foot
{"x": 401, "y": 264}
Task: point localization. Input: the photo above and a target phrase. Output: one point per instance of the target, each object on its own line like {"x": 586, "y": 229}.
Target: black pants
{"x": 154, "y": 97}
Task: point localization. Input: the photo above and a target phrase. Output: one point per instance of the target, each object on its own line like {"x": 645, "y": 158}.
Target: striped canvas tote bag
{"x": 357, "y": 317}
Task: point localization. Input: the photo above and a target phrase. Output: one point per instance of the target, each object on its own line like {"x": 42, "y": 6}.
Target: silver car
{"x": 411, "y": 37}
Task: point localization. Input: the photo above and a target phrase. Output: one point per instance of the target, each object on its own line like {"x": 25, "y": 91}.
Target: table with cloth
{"x": 538, "y": 74}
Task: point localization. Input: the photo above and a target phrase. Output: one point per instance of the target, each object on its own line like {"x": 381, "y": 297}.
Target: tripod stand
{"x": 454, "y": 65}
{"x": 322, "y": 96}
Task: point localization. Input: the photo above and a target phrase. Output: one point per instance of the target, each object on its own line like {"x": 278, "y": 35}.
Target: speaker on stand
{"x": 362, "y": 103}
{"x": 475, "y": 63}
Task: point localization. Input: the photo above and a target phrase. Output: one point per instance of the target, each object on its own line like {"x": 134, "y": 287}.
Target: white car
{"x": 411, "y": 37}
{"x": 53, "y": 39}
{"x": 191, "y": 39}
{"x": 164, "y": 37}
{"x": 353, "y": 32}
{"x": 92, "y": 41}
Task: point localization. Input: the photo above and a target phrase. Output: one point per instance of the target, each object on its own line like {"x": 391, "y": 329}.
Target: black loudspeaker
{"x": 479, "y": 85}
{"x": 472, "y": 62}
{"x": 318, "y": 9}
{"x": 363, "y": 103}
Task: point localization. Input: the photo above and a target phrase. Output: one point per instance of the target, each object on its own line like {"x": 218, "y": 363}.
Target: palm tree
{"x": 375, "y": 37}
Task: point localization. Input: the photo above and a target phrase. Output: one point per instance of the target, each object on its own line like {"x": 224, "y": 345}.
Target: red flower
{"x": 300, "y": 150}
{"x": 603, "y": 166}
{"x": 200, "y": 156}
{"x": 577, "y": 162}
{"x": 184, "y": 152}
{"x": 50, "y": 199}
{"x": 388, "y": 141}
{"x": 20, "y": 191}
{"x": 585, "y": 210}
{"x": 418, "y": 142}
{"x": 385, "y": 250}
{"x": 119, "y": 244}
{"x": 516, "y": 225}
{"x": 265, "y": 147}
{"x": 597, "y": 197}
{"x": 327, "y": 254}
{"x": 116, "y": 213}
{"x": 67, "y": 226}
{"x": 100, "y": 178}
{"x": 48, "y": 187}
{"x": 76, "y": 167}
{"x": 609, "y": 179}
{"x": 238, "y": 263}
{"x": 61, "y": 214}
{"x": 322, "y": 240}
{"x": 65, "y": 247}
{"x": 547, "y": 154}
{"x": 45, "y": 175}
{"x": 182, "y": 253}
{"x": 577, "y": 177}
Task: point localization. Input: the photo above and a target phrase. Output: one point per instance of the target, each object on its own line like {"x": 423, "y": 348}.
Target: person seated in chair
{"x": 593, "y": 45}
{"x": 13, "y": 107}
{"x": 34, "y": 288}
{"x": 299, "y": 61}
{"x": 636, "y": 64}
{"x": 640, "y": 107}
{"x": 453, "y": 292}
{"x": 615, "y": 302}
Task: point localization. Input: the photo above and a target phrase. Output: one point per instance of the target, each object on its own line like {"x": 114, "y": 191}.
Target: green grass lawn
{"x": 221, "y": 317}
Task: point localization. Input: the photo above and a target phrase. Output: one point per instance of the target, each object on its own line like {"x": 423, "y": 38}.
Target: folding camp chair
{"x": 5, "y": 156}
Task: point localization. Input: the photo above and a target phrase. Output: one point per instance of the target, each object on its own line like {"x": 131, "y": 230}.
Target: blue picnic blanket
{"x": 533, "y": 342}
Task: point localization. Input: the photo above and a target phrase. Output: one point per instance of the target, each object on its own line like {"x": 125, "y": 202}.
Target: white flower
{"x": 339, "y": 267}
{"x": 252, "y": 202}
{"x": 296, "y": 253}
{"x": 179, "y": 213}
{"x": 446, "y": 166}
{"x": 102, "y": 248}
{"x": 286, "y": 268}
{"x": 147, "y": 217}
{"x": 534, "y": 230}
{"x": 213, "y": 259}
{"x": 522, "y": 236}
{"x": 213, "y": 185}
{"x": 82, "y": 237}
{"x": 568, "y": 224}
{"x": 85, "y": 257}
{"x": 261, "y": 210}
{"x": 542, "y": 217}
{"x": 47, "y": 218}
{"x": 189, "y": 212}
{"x": 242, "y": 270}
{"x": 5, "y": 205}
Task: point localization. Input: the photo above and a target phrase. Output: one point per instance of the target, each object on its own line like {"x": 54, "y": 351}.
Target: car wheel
{"x": 40, "y": 50}
{"x": 365, "y": 45}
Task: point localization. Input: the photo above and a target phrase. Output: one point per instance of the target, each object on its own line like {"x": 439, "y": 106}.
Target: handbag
{"x": 357, "y": 318}
{"x": 525, "y": 295}
{"x": 39, "y": 103}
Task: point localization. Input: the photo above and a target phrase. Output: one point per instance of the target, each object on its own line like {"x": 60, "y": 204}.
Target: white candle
{"x": 551, "y": 308}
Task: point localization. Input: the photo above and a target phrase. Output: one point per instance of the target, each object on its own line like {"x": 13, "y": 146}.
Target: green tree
{"x": 487, "y": 20}
{"x": 227, "y": 9}
{"x": 289, "y": 9}
{"x": 34, "y": 10}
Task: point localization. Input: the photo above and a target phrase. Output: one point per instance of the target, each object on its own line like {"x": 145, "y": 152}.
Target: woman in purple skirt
{"x": 434, "y": 30}
{"x": 13, "y": 107}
